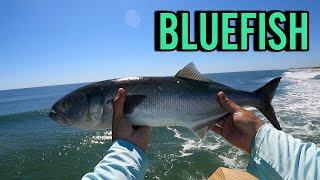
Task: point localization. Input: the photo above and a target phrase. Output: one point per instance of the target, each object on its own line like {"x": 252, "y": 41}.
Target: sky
{"x": 50, "y": 42}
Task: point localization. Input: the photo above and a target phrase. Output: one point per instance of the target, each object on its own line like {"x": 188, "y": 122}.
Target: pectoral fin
{"x": 132, "y": 102}
{"x": 201, "y": 130}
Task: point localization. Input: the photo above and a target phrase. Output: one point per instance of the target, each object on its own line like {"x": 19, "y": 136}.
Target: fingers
{"x": 229, "y": 105}
{"x": 220, "y": 122}
{"x": 223, "y": 126}
{"x": 218, "y": 127}
{"x": 217, "y": 130}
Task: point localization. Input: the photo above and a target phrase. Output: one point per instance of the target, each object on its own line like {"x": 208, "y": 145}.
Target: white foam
{"x": 232, "y": 159}
{"x": 299, "y": 104}
{"x": 236, "y": 162}
{"x": 300, "y": 96}
{"x": 191, "y": 144}
{"x": 301, "y": 75}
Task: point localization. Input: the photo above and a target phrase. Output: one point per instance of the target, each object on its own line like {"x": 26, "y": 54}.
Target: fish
{"x": 188, "y": 99}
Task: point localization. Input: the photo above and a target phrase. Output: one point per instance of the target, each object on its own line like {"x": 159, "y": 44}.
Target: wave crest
{"x": 25, "y": 115}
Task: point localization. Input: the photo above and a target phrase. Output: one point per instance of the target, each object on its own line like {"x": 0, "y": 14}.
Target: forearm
{"x": 123, "y": 161}
{"x": 276, "y": 155}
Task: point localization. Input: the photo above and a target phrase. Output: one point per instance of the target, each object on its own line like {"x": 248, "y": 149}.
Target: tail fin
{"x": 267, "y": 92}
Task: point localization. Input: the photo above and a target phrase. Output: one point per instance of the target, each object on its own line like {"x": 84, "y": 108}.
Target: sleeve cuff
{"x": 260, "y": 165}
{"x": 135, "y": 150}
{"x": 258, "y": 140}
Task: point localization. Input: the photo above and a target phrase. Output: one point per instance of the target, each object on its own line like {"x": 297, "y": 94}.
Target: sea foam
{"x": 298, "y": 106}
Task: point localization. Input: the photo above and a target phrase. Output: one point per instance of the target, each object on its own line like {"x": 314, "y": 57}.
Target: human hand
{"x": 123, "y": 129}
{"x": 240, "y": 127}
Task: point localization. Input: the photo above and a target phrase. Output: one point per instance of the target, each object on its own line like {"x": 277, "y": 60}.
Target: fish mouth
{"x": 58, "y": 116}
{"x": 52, "y": 115}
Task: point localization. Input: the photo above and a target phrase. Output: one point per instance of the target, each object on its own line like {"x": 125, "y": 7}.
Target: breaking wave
{"x": 298, "y": 105}
{"x": 301, "y": 75}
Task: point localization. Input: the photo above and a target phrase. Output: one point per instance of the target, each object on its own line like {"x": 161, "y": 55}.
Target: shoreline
{"x": 306, "y": 68}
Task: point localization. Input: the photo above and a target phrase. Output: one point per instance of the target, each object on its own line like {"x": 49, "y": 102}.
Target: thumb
{"x": 121, "y": 128}
{"x": 118, "y": 104}
{"x": 229, "y": 105}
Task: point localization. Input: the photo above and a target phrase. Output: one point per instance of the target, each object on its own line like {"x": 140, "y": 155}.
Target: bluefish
{"x": 188, "y": 99}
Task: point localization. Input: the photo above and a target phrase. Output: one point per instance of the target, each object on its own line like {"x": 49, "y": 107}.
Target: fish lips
{"x": 58, "y": 116}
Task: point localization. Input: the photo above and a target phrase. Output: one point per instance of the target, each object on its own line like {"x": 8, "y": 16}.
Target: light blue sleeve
{"x": 277, "y": 155}
{"x": 123, "y": 161}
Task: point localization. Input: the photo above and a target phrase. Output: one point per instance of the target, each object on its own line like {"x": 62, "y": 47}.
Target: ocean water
{"x": 34, "y": 147}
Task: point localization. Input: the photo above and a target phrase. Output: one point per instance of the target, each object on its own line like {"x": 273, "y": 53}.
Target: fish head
{"x": 71, "y": 109}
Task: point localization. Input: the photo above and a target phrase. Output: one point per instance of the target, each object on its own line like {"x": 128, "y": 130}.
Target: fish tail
{"x": 267, "y": 92}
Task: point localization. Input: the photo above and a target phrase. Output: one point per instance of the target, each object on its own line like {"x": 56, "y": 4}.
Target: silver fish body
{"x": 188, "y": 100}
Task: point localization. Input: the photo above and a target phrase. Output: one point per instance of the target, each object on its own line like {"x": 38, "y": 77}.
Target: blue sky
{"x": 47, "y": 42}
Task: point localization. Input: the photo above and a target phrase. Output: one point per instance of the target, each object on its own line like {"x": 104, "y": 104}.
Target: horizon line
{"x": 73, "y": 83}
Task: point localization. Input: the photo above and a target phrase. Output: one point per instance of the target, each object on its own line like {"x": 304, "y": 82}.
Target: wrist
{"x": 258, "y": 126}
{"x": 131, "y": 149}
{"x": 128, "y": 144}
{"x": 251, "y": 136}
{"x": 137, "y": 142}
{"x": 257, "y": 136}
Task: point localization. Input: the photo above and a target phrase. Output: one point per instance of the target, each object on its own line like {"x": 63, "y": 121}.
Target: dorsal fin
{"x": 191, "y": 72}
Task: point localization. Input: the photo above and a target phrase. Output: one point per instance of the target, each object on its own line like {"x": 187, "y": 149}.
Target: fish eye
{"x": 63, "y": 121}
{"x": 64, "y": 104}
